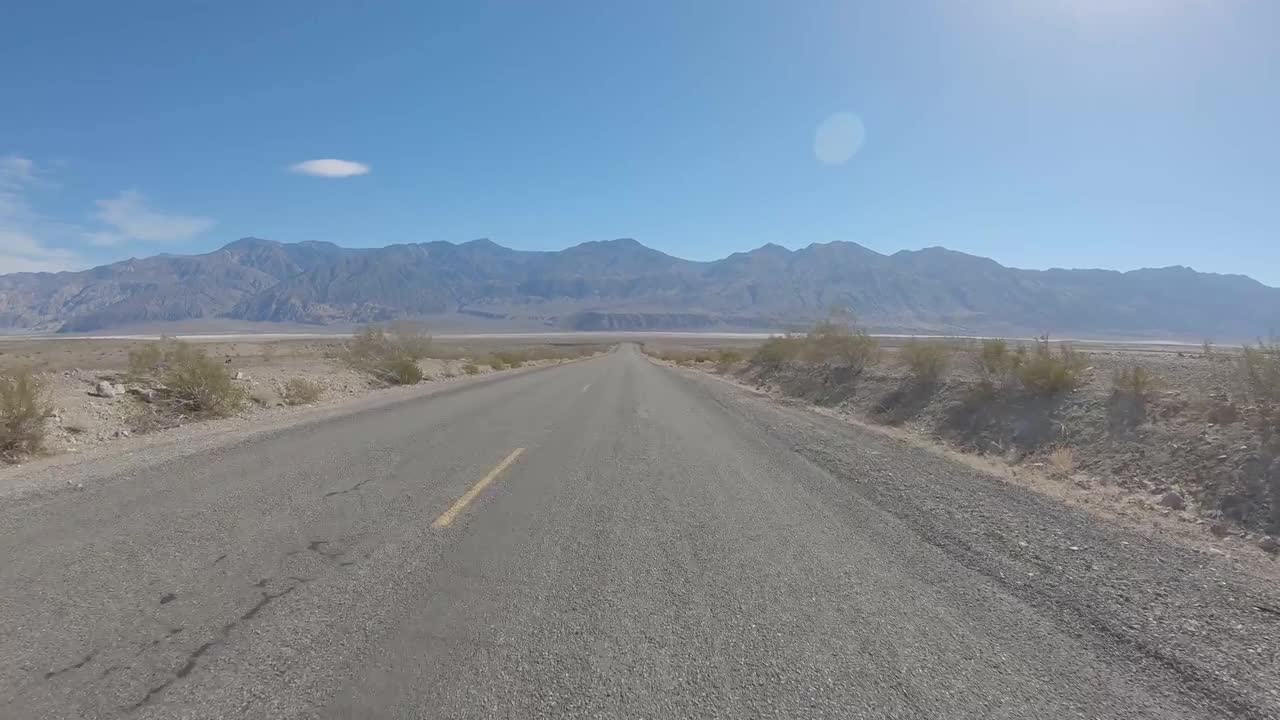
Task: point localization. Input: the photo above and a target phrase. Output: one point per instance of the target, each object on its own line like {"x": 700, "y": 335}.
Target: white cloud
{"x": 130, "y": 219}
{"x": 33, "y": 242}
{"x": 20, "y": 251}
{"x": 330, "y": 168}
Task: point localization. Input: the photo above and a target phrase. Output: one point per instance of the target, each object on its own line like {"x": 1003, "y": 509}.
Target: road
{"x": 606, "y": 538}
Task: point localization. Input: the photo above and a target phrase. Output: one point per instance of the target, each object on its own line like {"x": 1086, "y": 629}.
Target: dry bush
{"x": 190, "y": 382}
{"x": 391, "y": 357}
{"x": 301, "y": 391}
{"x": 471, "y": 369}
{"x": 726, "y": 359}
{"x": 830, "y": 342}
{"x": 149, "y": 418}
{"x": 511, "y": 358}
{"x": 926, "y": 360}
{"x": 197, "y": 385}
{"x": 147, "y": 362}
{"x": 827, "y": 342}
{"x": 997, "y": 362}
{"x": 1260, "y": 369}
{"x": 1062, "y": 462}
{"x": 1136, "y": 382}
{"x": 24, "y": 407}
{"x": 683, "y": 357}
{"x": 777, "y": 350}
{"x": 1044, "y": 372}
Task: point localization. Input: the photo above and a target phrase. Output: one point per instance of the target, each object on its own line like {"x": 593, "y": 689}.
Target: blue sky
{"x": 1069, "y": 133}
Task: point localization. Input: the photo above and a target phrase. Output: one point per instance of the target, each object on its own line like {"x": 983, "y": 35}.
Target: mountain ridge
{"x": 621, "y": 283}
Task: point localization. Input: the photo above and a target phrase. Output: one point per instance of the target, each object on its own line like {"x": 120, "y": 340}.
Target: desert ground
{"x": 1190, "y": 452}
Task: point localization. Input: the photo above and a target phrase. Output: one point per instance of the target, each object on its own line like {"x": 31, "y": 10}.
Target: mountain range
{"x": 623, "y": 285}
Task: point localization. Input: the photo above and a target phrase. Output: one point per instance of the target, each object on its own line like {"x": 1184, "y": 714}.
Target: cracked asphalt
{"x": 666, "y": 545}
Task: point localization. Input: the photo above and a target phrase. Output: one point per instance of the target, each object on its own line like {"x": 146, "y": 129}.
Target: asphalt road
{"x": 608, "y": 538}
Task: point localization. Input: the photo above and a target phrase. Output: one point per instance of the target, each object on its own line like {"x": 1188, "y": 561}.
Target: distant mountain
{"x": 621, "y": 284}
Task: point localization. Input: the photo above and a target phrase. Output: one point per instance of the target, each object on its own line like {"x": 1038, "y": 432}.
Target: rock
{"x": 1223, "y": 413}
{"x": 266, "y": 397}
{"x": 147, "y": 395}
{"x": 1220, "y": 529}
{"x": 1173, "y": 500}
{"x": 74, "y": 423}
{"x": 240, "y": 376}
{"x": 118, "y": 388}
{"x": 1269, "y": 544}
{"x": 104, "y": 389}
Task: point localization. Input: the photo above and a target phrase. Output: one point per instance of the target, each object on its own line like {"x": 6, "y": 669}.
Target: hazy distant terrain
{"x": 623, "y": 285}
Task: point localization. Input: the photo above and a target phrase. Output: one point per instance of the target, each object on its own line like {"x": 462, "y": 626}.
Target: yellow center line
{"x": 446, "y": 519}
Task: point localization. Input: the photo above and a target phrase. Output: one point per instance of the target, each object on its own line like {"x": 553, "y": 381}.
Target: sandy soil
{"x": 1192, "y": 455}
{"x": 84, "y": 423}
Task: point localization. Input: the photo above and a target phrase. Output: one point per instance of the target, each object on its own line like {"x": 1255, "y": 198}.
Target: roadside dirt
{"x": 1189, "y": 459}
{"x": 1204, "y": 615}
{"x": 91, "y": 436}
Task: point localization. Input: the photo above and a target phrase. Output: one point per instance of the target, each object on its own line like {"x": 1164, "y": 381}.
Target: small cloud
{"x": 21, "y": 253}
{"x": 31, "y": 241}
{"x": 330, "y": 168}
{"x": 19, "y": 224}
{"x": 130, "y": 219}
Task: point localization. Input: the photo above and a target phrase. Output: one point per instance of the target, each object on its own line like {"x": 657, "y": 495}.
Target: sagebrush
{"x": 390, "y": 356}
{"x": 189, "y": 382}
{"x": 1045, "y": 372}
{"x": 726, "y": 358}
{"x": 301, "y": 391}
{"x": 24, "y": 407}
{"x": 1260, "y": 366}
{"x": 828, "y": 342}
{"x": 195, "y": 384}
{"x": 927, "y": 361}
{"x": 1136, "y": 382}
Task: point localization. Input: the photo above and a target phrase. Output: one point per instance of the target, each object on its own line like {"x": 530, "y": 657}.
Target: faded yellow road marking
{"x": 446, "y": 519}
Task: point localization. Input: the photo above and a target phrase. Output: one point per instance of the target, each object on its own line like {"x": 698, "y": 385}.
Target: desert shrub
{"x": 777, "y": 350}
{"x": 511, "y": 358}
{"x": 402, "y": 371}
{"x": 827, "y": 342}
{"x": 24, "y": 407}
{"x": 149, "y": 418}
{"x": 196, "y": 385}
{"x": 830, "y": 342}
{"x": 301, "y": 391}
{"x": 471, "y": 369}
{"x": 495, "y": 362}
{"x": 147, "y": 361}
{"x": 1044, "y": 372}
{"x": 727, "y": 358}
{"x": 997, "y": 363}
{"x": 1136, "y": 382}
{"x": 1062, "y": 462}
{"x": 391, "y": 357}
{"x": 926, "y": 360}
{"x": 1260, "y": 369}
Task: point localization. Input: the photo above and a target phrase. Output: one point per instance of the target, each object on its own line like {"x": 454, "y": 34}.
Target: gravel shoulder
{"x": 1203, "y": 619}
